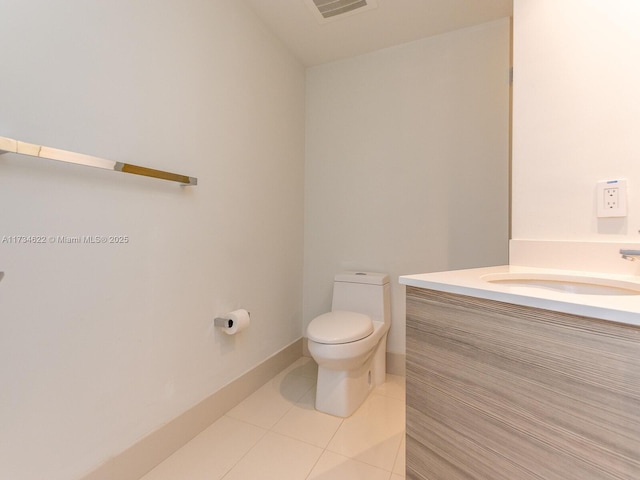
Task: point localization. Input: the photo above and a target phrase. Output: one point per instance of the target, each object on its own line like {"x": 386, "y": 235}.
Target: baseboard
{"x": 143, "y": 456}
{"x": 395, "y": 361}
{"x": 305, "y": 347}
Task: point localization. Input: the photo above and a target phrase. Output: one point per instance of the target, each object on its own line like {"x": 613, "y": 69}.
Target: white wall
{"x": 407, "y": 163}
{"x": 101, "y": 344}
{"x": 576, "y": 117}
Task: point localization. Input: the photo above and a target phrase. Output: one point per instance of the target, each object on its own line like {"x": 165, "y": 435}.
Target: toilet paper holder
{"x": 223, "y": 322}
{"x": 228, "y": 322}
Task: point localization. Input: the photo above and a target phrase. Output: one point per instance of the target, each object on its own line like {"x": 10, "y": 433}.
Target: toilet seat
{"x": 339, "y": 327}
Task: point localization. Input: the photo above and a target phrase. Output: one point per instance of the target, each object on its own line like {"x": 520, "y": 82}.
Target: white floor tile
{"x": 399, "y": 466}
{"x": 304, "y": 422}
{"x": 271, "y": 401}
{"x": 211, "y": 454}
{"x": 304, "y": 366}
{"x": 332, "y": 466}
{"x": 394, "y": 386}
{"x": 373, "y": 434}
{"x": 276, "y": 433}
{"x": 276, "y": 457}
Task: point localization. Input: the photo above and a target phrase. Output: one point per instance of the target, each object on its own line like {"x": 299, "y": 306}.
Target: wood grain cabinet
{"x": 497, "y": 391}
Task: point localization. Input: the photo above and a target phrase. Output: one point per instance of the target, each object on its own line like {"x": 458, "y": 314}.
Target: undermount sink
{"x": 578, "y": 284}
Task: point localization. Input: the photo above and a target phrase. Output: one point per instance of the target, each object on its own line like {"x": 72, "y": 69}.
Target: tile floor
{"x": 277, "y": 434}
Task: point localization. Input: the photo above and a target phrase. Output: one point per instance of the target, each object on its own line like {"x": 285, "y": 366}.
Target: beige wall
{"x": 576, "y": 118}
{"x": 407, "y": 163}
{"x": 101, "y": 344}
{"x": 406, "y": 172}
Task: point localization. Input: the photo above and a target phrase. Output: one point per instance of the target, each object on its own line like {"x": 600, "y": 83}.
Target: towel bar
{"x": 23, "y": 148}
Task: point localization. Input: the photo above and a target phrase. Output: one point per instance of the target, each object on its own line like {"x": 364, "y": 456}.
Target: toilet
{"x": 349, "y": 342}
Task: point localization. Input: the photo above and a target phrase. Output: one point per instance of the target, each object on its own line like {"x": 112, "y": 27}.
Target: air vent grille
{"x": 328, "y": 10}
{"x": 331, "y": 8}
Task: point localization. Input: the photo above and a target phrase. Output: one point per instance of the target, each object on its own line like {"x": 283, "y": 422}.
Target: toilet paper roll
{"x": 238, "y": 321}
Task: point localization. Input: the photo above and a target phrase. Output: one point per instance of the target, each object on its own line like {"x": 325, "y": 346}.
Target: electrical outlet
{"x": 612, "y": 198}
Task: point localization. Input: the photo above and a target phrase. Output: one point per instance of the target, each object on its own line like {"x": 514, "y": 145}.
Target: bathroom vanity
{"x": 516, "y": 373}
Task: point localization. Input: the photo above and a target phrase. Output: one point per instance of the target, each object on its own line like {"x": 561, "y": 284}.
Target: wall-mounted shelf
{"x": 23, "y": 148}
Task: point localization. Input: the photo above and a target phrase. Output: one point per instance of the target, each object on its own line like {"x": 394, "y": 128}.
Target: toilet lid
{"x": 339, "y": 327}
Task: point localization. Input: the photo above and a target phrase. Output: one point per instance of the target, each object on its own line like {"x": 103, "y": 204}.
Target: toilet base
{"x": 341, "y": 392}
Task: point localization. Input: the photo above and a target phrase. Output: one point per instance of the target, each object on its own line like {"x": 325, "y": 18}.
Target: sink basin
{"x": 577, "y": 284}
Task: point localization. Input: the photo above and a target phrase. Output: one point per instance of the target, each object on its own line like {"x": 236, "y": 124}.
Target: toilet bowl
{"x": 349, "y": 343}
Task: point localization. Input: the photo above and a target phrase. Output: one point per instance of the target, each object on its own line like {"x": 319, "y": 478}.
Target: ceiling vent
{"x": 328, "y": 10}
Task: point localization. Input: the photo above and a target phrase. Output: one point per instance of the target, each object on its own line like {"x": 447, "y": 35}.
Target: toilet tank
{"x": 363, "y": 292}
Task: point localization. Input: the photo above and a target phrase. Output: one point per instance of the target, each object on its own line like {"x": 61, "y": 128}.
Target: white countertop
{"x": 618, "y": 308}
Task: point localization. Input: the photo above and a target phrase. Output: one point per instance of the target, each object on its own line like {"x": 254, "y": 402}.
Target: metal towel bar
{"x": 23, "y": 148}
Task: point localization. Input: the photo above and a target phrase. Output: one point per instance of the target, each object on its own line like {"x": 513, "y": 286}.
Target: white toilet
{"x": 349, "y": 343}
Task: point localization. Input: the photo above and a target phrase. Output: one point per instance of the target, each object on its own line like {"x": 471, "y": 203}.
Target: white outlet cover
{"x": 604, "y": 210}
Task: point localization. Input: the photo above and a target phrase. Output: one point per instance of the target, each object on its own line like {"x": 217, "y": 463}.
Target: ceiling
{"x": 393, "y": 22}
